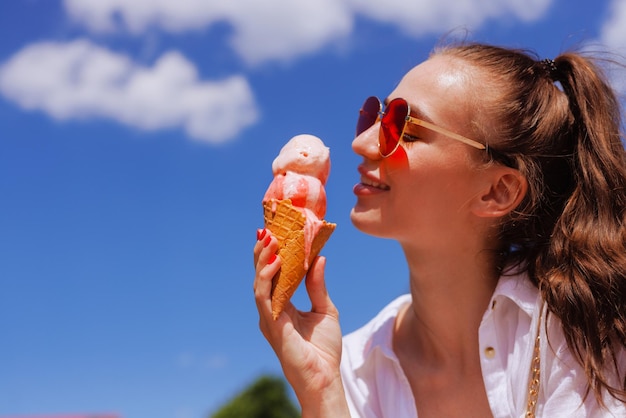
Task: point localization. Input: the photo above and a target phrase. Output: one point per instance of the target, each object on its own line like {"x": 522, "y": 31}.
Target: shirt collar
{"x": 514, "y": 286}
{"x": 519, "y": 289}
{"x": 380, "y": 330}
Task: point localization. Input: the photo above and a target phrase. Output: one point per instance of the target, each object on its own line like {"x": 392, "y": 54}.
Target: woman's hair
{"x": 559, "y": 123}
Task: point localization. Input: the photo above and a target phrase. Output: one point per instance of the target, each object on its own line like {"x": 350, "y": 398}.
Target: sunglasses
{"x": 393, "y": 123}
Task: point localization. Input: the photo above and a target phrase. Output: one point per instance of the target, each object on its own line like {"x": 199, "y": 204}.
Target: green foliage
{"x": 267, "y": 397}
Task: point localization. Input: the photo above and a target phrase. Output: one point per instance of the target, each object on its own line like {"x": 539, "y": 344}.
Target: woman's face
{"x": 421, "y": 193}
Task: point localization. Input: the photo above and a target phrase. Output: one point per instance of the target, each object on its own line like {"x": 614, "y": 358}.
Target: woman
{"x": 506, "y": 188}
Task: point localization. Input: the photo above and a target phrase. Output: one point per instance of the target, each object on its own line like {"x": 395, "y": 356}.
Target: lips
{"x": 369, "y": 182}
{"x": 375, "y": 184}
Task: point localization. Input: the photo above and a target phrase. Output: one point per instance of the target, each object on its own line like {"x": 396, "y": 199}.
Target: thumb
{"x": 316, "y": 288}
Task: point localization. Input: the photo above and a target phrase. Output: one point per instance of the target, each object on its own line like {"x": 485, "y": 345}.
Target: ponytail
{"x": 582, "y": 272}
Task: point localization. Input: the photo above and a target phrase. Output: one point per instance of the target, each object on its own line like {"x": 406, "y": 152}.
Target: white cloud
{"x": 613, "y": 36}
{"x": 283, "y": 29}
{"x": 80, "y": 80}
{"x": 137, "y": 15}
{"x": 613, "y": 32}
{"x": 417, "y": 18}
{"x": 262, "y": 30}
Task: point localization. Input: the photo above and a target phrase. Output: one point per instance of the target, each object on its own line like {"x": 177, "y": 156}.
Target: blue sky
{"x": 136, "y": 141}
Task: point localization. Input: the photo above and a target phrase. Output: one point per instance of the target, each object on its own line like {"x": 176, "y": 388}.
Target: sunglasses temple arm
{"x": 446, "y": 132}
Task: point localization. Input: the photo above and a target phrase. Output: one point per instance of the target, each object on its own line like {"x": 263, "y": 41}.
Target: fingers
{"x": 267, "y": 264}
{"x": 316, "y": 288}
{"x": 261, "y": 237}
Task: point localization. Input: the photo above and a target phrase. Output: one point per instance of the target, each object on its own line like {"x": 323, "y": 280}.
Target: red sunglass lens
{"x": 393, "y": 124}
{"x": 368, "y": 114}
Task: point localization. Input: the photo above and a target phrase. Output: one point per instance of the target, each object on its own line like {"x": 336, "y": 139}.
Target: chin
{"x": 368, "y": 222}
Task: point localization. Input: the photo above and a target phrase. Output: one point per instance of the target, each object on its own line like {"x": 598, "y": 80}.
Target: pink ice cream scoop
{"x": 300, "y": 173}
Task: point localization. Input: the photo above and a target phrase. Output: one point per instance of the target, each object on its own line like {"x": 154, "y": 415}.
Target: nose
{"x": 366, "y": 144}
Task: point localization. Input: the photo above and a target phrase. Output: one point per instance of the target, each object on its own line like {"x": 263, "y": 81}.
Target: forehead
{"x": 440, "y": 88}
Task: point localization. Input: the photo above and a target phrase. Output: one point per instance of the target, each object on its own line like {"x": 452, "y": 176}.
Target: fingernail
{"x": 272, "y": 259}
{"x": 267, "y": 240}
{"x": 260, "y": 233}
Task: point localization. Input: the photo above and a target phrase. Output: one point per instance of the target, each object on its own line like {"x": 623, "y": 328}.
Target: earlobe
{"x": 503, "y": 195}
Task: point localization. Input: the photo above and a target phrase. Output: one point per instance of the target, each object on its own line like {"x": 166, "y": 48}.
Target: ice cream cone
{"x": 287, "y": 224}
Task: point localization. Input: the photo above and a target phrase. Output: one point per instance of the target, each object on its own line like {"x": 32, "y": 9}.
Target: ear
{"x": 504, "y": 192}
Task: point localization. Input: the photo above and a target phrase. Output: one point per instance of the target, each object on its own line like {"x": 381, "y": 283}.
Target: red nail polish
{"x": 272, "y": 259}
{"x": 267, "y": 240}
{"x": 260, "y": 234}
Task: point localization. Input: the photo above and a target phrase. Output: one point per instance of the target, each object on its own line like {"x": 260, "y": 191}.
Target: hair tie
{"x": 550, "y": 67}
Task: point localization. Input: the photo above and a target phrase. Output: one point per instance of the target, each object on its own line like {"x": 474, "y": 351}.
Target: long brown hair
{"x": 559, "y": 123}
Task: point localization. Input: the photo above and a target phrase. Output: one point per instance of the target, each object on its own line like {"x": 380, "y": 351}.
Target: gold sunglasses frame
{"x": 419, "y": 122}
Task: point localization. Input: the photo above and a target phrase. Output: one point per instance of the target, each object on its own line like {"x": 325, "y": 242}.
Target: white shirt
{"x": 376, "y": 386}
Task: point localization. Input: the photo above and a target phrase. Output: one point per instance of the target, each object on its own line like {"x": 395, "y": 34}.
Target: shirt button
{"x": 490, "y": 352}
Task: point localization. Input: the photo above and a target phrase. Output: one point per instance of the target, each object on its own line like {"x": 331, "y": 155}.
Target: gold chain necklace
{"x": 535, "y": 372}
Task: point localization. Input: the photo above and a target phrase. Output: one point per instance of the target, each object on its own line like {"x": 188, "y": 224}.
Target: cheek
{"x": 434, "y": 190}
{"x": 398, "y": 160}
{"x": 431, "y": 179}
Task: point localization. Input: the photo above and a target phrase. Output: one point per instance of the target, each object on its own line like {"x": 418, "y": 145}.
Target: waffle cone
{"x": 287, "y": 224}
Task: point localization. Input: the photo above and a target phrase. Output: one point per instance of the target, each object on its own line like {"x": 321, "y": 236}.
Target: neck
{"x": 449, "y": 300}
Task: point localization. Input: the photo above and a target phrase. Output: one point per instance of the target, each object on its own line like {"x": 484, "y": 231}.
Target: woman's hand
{"x": 308, "y": 344}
